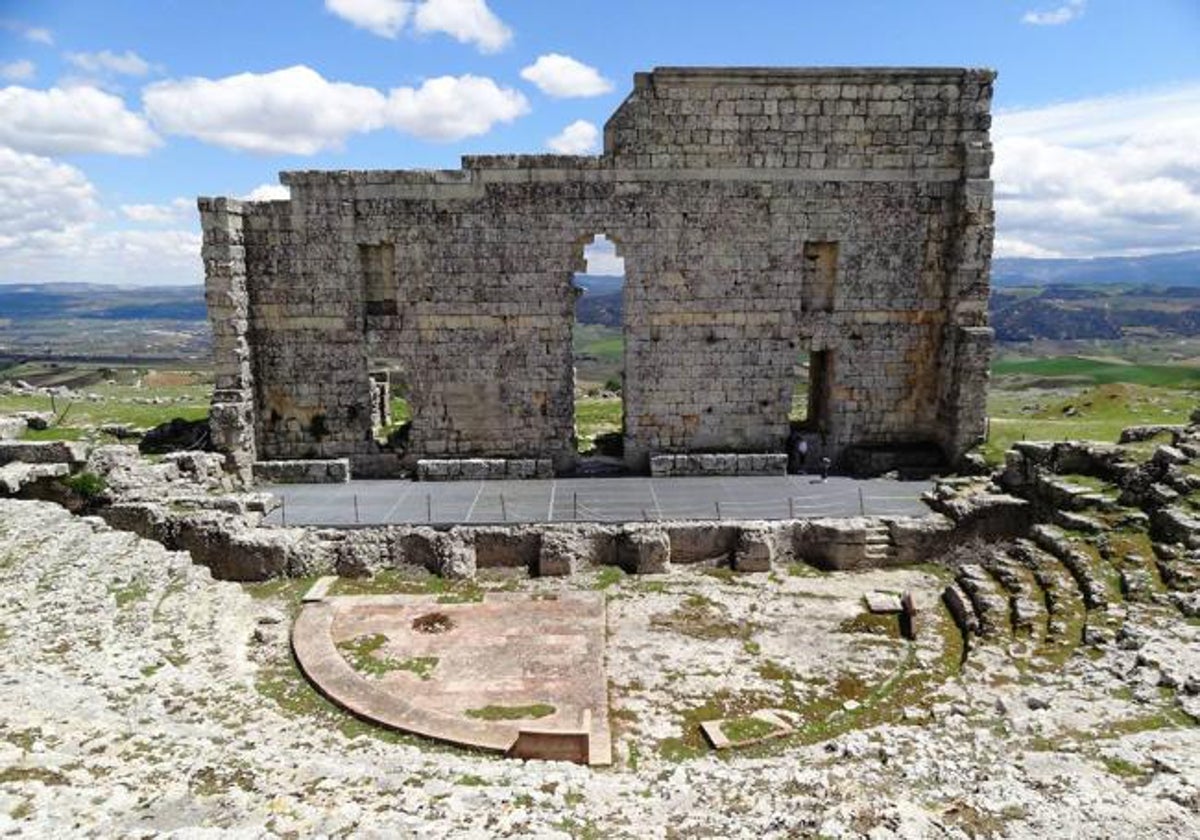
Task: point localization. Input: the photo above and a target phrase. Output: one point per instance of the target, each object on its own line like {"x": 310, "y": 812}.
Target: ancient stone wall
{"x": 762, "y": 214}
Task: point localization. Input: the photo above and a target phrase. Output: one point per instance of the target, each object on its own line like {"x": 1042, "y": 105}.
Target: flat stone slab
{"x": 883, "y": 602}
{"x": 319, "y": 590}
{"x": 518, "y": 673}
{"x": 759, "y": 726}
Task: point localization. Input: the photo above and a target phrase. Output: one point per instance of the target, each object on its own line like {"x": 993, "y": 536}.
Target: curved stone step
{"x": 1060, "y": 592}
{"x": 988, "y": 599}
{"x": 1026, "y": 602}
{"x": 962, "y": 611}
{"x": 1083, "y": 567}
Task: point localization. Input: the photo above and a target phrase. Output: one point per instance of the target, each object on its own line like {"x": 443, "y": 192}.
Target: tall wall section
{"x": 761, "y": 214}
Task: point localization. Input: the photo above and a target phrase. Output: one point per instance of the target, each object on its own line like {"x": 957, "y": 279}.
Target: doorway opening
{"x": 391, "y": 413}
{"x": 810, "y": 394}
{"x": 598, "y": 345}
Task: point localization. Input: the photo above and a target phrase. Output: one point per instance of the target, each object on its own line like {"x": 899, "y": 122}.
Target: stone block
{"x": 561, "y": 553}
{"x": 643, "y": 549}
{"x": 303, "y": 471}
{"x": 754, "y": 552}
{"x": 69, "y": 452}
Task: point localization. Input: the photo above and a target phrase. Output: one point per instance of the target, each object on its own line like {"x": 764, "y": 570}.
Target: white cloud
{"x": 579, "y": 138}
{"x": 39, "y": 194}
{"x": 68, "y": 120}
{"x": 88, "y": 255}
{"x": 1112, "y": 175}
{"x": 468, "y": 21}
{"x": 383, "y": 17}
{"x": 177, "y": 211}
{"x": 128, "y": 63}
{"x": 18, "y": 71}
{"x": 601, "y": 257}
{"x": 50, "y": 220}
{"x": 268, "y": 192}
{"x": 296, "y": 111}
{"x": 454, "y": 107}
{"x": 290, "y": 111}
{"x": 37, "y": 34}
{"x": 1055, "y": 17}
{"x": 561, "y": 76}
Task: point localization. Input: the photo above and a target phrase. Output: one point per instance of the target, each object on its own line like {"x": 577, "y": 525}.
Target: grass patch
{"x": 881, "y": 624}
{"x": 595, "y": 416}
{"x": 1088, "y": 413}
{"x": 530, "y": 712}
{"x": 422, "y": 666}
{"x": 701, "y": 618}
{"x": 608, "y": 576}
{"x": 748, "y": 728}
{"x": 32, "y": 774}
{"x": 1101, "y": 371}
{"x": 1120, "y": 767}
{"x": 132, "y": 592}
{"x": 361, "y": 652}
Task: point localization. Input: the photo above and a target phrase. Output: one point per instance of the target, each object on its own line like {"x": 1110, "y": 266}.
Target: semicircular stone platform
{"x": 517, "y": 673}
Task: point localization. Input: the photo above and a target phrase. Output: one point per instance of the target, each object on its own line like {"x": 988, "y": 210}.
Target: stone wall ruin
{"x": 761, "y": 213}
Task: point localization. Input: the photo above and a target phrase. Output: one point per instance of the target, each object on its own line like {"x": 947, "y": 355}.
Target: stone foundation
{"x": 718, "y": 464}
{"x": 483, "y": 469}
{"x": 332, "y": 471}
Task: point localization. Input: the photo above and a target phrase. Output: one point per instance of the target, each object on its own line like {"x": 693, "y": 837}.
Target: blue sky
{"x": 115, "y": 115}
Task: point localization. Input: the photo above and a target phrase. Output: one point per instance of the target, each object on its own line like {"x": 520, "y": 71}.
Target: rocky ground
{"x": 140, "y": 697}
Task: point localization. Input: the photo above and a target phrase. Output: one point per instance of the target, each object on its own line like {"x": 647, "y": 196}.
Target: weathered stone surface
{"x": 302, "y": 471}
{"x": 846, "y": 213}
{"x": 454, "y": 557}
{"x": 719, "y": 464}
{"x": 12, "y": 428}
{"x": 883, "y": 602}
{"x": 43, "y": 452}
{"x": 754, "y": 552}
{"x": 483, "y": 469}
{"x": 560, "y": 553}
{"x": 505, "y": 547}
{"x": 16, "y": 476}
{"x": 643, "y": 549}
{"x": 702, "y": 543}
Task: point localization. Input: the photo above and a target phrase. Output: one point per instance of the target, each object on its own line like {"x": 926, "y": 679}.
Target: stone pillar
{"x": 231, "y": 418}
{"x": 967, "y": 341}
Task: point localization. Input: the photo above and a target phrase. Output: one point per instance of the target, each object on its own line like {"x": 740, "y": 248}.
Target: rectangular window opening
{"x": 379, "y": 277}
{"x": 819, "y": 282}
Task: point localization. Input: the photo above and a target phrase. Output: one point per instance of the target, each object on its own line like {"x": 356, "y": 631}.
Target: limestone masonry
{"x": 763, "y": 214}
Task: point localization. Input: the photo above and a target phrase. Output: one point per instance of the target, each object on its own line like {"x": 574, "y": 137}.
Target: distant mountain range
{"x": 1091, "y": 298}
{"x": 55, "y": 301}
{"x": 1181, "y": 268}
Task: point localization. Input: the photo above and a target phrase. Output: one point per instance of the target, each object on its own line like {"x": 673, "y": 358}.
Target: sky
{"x": 115, "y": 115}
